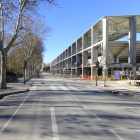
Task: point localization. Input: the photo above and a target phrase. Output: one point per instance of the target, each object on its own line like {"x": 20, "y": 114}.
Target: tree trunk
{"x": 3, "y": 70}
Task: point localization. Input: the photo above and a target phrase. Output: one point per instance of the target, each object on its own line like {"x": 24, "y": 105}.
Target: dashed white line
{"x": 84, "y": 106}
{"x": 73, "y": 97}
{"x": 118, "y": 136}
{"x": 10, "y": 119}
{"x": 96, "y": 116}
{"x": 54, "y": 125}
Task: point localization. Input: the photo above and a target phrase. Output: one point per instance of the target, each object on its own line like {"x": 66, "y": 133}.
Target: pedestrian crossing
{"x": 53, "y": 88}
{"x": 63, "y": 88}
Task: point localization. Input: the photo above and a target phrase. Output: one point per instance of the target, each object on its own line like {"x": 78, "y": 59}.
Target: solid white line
{"x": 64, "y": 88}
{"x": 10, "y": 119}
{"x": 84, "y": 106}
{"x": 96, "y": 116}
{"x": 53, "y": 88}
{"x": 73, "y": 97}
{"x": 118, "y": 136}
{"x": 54, "y": 125}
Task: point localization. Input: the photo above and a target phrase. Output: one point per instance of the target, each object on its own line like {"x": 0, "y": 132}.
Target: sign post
{"x": 97, "y": 67}
{"x": 104, "y": 73}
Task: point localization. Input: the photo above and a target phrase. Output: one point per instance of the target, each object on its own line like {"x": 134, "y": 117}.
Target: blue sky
{"x": 74, "y": 17}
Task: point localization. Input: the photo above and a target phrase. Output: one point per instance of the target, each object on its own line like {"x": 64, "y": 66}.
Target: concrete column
{"x": 71, "y": 61}
{"x": 82, "y": 64}
{"x": 65, "y": 54}
{"x": 105, "y": 48}
{"x": 94, "y": 35}
{"x": 105, "y": 41}
{"x": 59, "y": 68}
{"x": 117, "y": 60}
{"x": 71, "y": 49}
{"x": 85, "y": 58}
{"x": 132, "y": 40}
{"x": 93, "y": 72}
{"x": 76, "y": 46}
{"x": 94, "y": 55}
{"x": 83, "y": 42}
{"x": 112, "y": 59}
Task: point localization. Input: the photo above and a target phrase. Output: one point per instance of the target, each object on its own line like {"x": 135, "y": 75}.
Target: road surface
{"x": 71, "y": 111}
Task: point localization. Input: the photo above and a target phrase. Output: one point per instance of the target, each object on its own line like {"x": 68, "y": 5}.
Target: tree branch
{"x": 2, "y": 27}
{"x": 17, "y": 29}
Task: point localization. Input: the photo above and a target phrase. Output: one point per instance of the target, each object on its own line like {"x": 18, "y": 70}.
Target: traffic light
{"x": 25, "y": 64}
{"x": 97, "y": 64}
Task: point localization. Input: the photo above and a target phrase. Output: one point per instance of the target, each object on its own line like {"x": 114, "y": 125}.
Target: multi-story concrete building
{"x": 112, "y": 40}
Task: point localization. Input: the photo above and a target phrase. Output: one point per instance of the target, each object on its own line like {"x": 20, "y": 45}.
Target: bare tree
{"x": 14, "y": 18}
{"x": 30, "y": 50}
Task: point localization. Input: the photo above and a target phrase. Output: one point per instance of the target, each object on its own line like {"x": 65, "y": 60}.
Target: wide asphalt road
{"x": 71, "y": 111}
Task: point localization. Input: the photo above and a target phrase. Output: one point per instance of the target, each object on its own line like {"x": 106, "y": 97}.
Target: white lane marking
{"x": 73, "y": 97}
{"x": 64, "y": 88}
{"x": 118, "y": 136}
{"x": 53, "y": 88}
{"x": 10, "y": 119}
{"x": 74, "y": 88}
{"x": 84, "y": 106}
{"x": 33, "y": 88}
{"x": 127, "y": 129}
{"x": 96, "y": 116}
{"x": 54, "y": 125}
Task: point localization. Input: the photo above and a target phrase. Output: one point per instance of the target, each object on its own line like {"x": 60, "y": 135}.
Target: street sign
{"x": 116, "y": 74}
{"x": 123, "y": 72}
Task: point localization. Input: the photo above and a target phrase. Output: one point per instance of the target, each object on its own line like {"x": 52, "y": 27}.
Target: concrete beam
{"x": 110, "y": 52}
{"x": 122, "y": 51}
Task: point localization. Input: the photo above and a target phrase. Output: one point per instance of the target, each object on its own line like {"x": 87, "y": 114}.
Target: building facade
{"x": 112, "y": 40}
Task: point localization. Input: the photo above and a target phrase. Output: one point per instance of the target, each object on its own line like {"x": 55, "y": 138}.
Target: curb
{"x": 120, "y": 93}
{"x": 12, "y": 93}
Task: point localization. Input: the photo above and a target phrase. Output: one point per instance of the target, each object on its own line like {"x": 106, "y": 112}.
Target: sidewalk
{"x": 118, "y": 87}
{"x": 115, "y": 87}
{"x": 15, "y": 87}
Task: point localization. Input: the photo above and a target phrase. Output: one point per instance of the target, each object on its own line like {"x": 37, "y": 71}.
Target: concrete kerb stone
{"x": 120, "y": 93}
{"x": 15, "y": 91}
{"x": 12, "y": 93}
{"x": 116, "y": 92}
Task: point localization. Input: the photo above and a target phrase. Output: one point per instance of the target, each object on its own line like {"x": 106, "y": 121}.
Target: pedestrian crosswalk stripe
{"x": 74, "y": 88}
{"x": 33, "y": 88}
{"x": 64, "y": 88}
{"x": 53, "y": 88}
